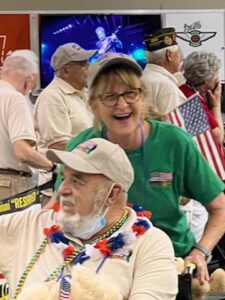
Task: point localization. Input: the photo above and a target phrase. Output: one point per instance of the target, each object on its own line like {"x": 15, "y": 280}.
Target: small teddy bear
{"x": 85, "y": 285}
{"x": 216, "y": 284}
{"x": 41, "y": 289}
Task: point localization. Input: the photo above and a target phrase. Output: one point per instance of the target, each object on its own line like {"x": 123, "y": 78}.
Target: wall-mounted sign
{"x": 199, "y": 32}
{"x": 193, "y": 35}
{"x": 14, "y": 33}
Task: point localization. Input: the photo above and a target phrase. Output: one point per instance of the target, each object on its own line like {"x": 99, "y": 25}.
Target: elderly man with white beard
{"x": 94, "y": 227}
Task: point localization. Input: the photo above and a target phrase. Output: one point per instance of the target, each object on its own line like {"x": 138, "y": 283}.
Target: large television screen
{"x": 105, "y": 32}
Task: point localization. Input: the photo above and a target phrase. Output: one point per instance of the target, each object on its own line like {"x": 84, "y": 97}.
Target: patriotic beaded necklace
{"x": 100, "y": 247}
{"x": 54, "y": 235}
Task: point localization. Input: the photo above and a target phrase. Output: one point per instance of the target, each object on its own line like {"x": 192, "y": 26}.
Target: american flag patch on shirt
{"x": 65, "y": 288}
{"x": 161, "y": 177}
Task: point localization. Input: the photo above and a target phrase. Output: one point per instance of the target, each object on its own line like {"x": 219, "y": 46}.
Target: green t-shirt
{"x": 167, "y": 166}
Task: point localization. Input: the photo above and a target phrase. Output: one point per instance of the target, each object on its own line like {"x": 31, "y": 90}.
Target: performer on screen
{"x": 107, "y": 43}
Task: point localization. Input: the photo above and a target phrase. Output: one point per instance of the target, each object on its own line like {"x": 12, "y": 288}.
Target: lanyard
{"x": 144, "y": 161}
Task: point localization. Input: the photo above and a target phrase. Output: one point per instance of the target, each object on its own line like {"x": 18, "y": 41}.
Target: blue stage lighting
{"x": 43, "y": 47}
{"x": 139, "y": 54}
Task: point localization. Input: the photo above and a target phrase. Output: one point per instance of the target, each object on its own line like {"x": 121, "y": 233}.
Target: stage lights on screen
{"x": 43, "y": 47}
{"x": 63, "y": 29}
{"x": 139, "y": 54}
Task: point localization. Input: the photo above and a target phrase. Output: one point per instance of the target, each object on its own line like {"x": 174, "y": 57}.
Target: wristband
{"x": 208, "y": 253}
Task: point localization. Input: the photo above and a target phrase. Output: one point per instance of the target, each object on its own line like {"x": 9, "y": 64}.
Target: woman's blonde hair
{"x": 130, "y": 78}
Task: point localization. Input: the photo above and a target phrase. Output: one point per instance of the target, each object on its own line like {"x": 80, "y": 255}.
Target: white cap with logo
{"x": 108, "y": 60}
{"x": 69, "y": 52}
{"x": 97, "y": 156}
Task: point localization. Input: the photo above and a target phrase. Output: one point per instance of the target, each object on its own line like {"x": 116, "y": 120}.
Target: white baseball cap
{"x": 97, "y": 156}
{"x": 108, "y": 60}
{"x": 69, "y": 52}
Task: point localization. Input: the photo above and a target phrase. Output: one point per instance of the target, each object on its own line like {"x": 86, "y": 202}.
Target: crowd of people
{"x": 104, "y": 128}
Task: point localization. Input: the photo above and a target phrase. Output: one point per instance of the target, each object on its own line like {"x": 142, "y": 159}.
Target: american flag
{"x": 160, "y": 177}
{"x": 191, "y": 116}
{"x": 65, "y": 288}
{"x": 87, "y": 146}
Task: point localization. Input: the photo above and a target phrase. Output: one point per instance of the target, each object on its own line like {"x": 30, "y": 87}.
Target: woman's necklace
{"x": 70, "y": 254}
{"x": 145, "y": 157}
{"x": 136, "y": 143}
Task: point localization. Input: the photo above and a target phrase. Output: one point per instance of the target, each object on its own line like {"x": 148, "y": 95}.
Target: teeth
{"x": 122, "y": 116}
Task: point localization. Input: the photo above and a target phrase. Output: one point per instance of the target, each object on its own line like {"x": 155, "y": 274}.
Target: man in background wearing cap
{"x": 94, "y": 227}
{"x": 61, "y": 110}
{"x": 163, "y": 60}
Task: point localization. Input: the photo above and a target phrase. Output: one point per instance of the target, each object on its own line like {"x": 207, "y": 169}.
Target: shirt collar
{"x": 163, "y": 71}
{"x": 66, "y": 87}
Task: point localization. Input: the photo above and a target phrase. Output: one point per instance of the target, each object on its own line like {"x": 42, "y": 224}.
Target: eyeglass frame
{"x": 139, "y": 90}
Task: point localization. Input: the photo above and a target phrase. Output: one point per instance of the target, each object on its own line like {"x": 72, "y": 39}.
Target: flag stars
{"x": 189, "y": 110}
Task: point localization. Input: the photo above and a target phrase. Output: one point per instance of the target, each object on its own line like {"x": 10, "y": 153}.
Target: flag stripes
{"x": 191, "y": 117}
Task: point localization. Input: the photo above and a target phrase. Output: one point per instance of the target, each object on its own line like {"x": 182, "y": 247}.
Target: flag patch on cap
{"x": 87, "y": 146}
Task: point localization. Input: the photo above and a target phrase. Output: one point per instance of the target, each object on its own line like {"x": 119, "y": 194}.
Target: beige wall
{"x": 30, "y": 5}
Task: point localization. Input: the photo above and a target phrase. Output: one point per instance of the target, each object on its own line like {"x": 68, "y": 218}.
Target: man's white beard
{"x": 71, "y": 224}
